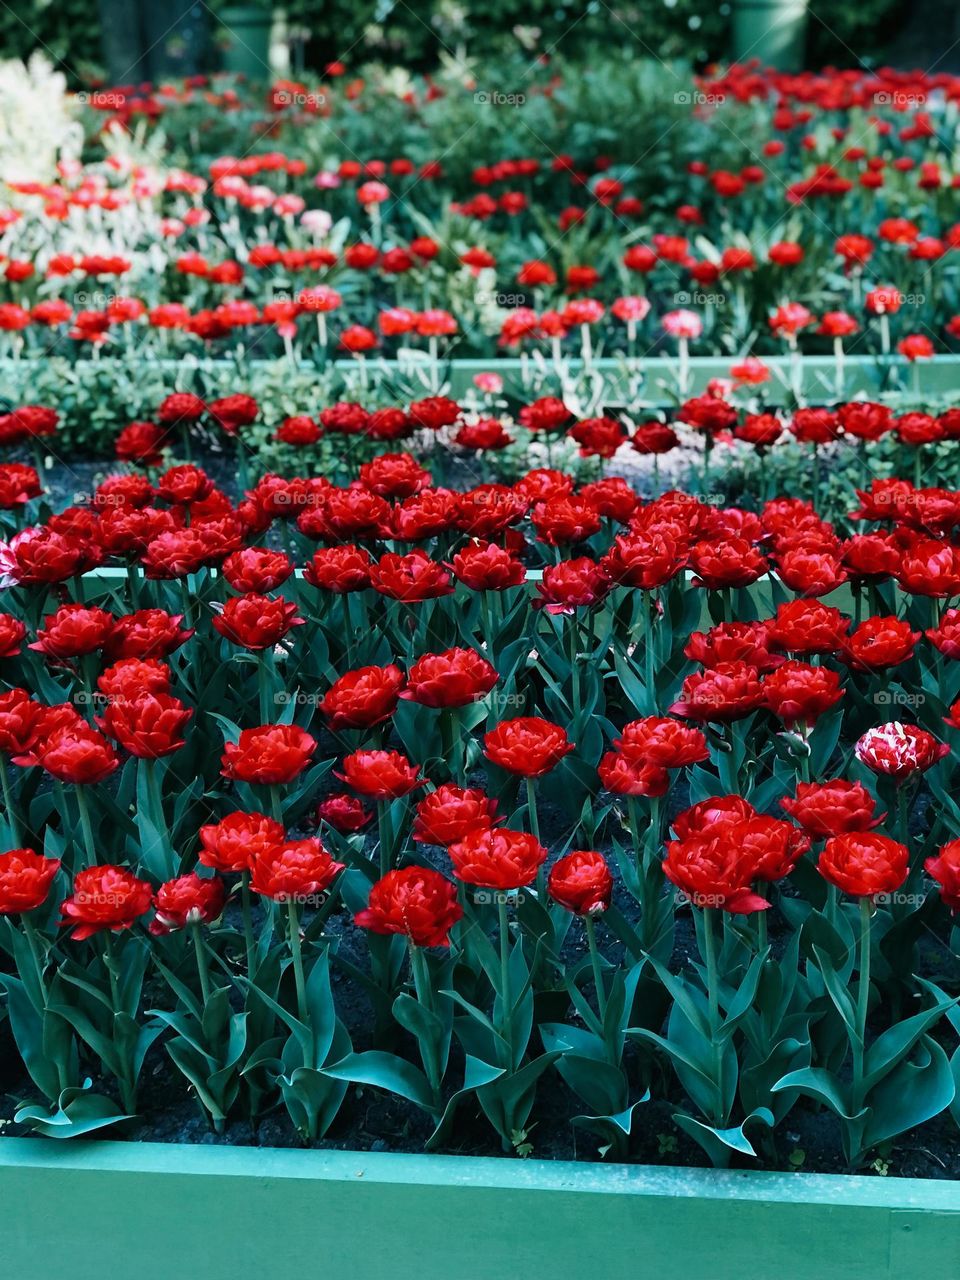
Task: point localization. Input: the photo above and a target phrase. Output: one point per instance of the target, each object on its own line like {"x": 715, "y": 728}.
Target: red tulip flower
{"x": 581, "y": 882}
{"x": 527, "y": 746}
{"x": 416, "y": 902}
{"x": 232, "y": 844}
{"x": 499, "y": 860}
{"x": 864, "y": 864}
{"x": 450, "y": 679}
{"x": 106, "y": 897}
{"x": 269, "y": 754}
{"x": 293, "y": 871}
{"x": 25, "y": 879}
{"x": 188, "y": 900}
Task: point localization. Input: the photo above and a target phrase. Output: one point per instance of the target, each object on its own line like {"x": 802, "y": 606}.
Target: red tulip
{"x": 416, "y": 902}
{"x": 269, "y": 754}
{"x": 106, "y": 897}
{"x": 25, "y": 879}
{"x": 581, "y": 882}
{"x": 494, "y": 859}
{"x": 527, "y": 746}
{"x": 382, "y": 775}
{"x": 233, "y": 843}
{"x": 188, "y": 900}
{"x": 944, "y": 868}
{"x": 293, "y": 871}
{"x": 449, "y": 813}
{"x": 864, "y": 864}
{"x": 345, "y": 813}
{"x": 362, "y": 698}
{"x": 449, "y": 679}
{"x": 832, "y": 808}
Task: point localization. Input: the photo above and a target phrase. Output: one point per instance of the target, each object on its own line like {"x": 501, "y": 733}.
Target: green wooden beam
{"x": 648, "y": 382}
{"x": 80, "y": 1211}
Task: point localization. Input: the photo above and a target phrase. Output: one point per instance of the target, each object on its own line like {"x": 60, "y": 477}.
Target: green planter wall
{"x": 87, "y": 1210}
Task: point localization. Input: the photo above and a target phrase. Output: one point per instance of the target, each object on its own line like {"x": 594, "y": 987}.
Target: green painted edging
{"x": 153, "y": 1211}
{"x": 656, "y": 377}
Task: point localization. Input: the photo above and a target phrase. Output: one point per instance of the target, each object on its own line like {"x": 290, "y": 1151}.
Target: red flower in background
{"x": 233, "y": 412}
{"x": 345, "y": 813}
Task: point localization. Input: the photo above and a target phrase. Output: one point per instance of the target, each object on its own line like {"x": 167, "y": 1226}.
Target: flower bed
{"x": 523, "y": 808}
{"x": 436, "y": 219}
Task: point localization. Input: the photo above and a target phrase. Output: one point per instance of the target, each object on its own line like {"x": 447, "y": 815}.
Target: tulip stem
{"x": 595, "y": 962}
{"x": 574, "y": 673}
{"x": 276, "y": 804}
{"x": 532, "y": 810}
{"x": 293, "y": 923}
{"x": 247, "y": 921}
{"x": 863, "y": 1003}
{"x": 713, "y": 1002}
{"x": 85, "y": 825}
{"x": 506, "y": 1002}
{"x": 13, "y": 821}
{"x": 265, "y": 686}
{"x": 421, "y": 981}
{"x": 203, "y": 968}
{"x": 383, "y": 826}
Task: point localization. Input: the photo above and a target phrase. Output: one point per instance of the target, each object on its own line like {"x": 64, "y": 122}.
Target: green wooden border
{"x": 867, "y": 375}
{"x": 159, "y": 1212}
